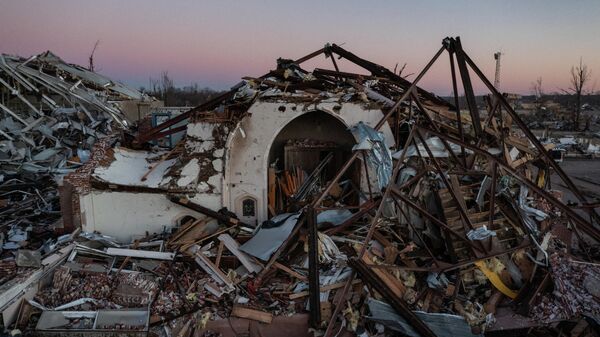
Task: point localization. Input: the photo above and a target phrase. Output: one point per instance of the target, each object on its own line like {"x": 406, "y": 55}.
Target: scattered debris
{"x": 429, "y": 221}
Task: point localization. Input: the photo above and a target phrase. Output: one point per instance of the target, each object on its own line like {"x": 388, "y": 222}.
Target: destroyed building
{"x": 51, "y": 115}
{"x": 322, "y": 201}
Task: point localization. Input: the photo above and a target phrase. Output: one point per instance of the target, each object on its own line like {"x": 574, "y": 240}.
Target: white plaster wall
{"x": 127, "y": 216}
{"x": 246, "y": 160}
{"x": 201, "y": 141}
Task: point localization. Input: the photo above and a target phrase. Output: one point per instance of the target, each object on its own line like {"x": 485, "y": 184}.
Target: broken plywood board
{"x": 213, "y": 270}
{"x": 193, "y": 231}
{"x": 245, "y": 259}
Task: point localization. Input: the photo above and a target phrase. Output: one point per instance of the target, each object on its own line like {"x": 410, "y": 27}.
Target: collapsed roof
{"x": 470, "y": 194}
{"x": 51, "y": 107}
{"x": 51, "y": 115}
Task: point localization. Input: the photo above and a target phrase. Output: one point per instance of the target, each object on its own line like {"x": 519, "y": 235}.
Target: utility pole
{"x": 497, "y": 77}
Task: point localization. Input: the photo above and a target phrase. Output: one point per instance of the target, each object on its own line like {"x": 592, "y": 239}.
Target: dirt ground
{"x": 585, "y": 174}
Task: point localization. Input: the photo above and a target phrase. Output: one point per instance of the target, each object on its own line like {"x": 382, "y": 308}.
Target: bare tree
{"x": 166, "y": 87}
{"x": 580, "y": 77}
{"x": 399, "y": 71}
{"x": 153, "y": 85}
{"x": 537, "y": 89}
{"x": 166, "y": 82}
{"x": 91, "y": 59}
{"x": 163, "y": 88}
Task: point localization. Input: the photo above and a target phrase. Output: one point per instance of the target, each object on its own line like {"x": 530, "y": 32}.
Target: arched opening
{"x": 248, "y": 206}
{"x": 183, "y": 220}
{"x": 311, "y": 148}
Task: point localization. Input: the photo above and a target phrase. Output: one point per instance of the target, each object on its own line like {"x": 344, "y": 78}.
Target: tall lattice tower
{"x": 497, "y": 77}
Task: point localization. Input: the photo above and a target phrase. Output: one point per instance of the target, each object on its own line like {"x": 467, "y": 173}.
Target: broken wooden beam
{"x": 185, "y": 202}
{"x": 256, "y": 315}
{"x": 395, "y": 301}
{"x": 322, "y": 289}
{"x": 313, "y": 268}
{"x": 290, "y": 271}
{"x": 214, "y": 271}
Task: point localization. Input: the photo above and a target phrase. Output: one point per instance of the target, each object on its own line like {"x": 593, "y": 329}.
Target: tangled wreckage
{"x": 311, "y": 202}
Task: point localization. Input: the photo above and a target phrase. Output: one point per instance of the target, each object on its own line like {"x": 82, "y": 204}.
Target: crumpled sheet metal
{"x": 90, "y": 76}
{"x": 267, "y": 240}
{"x": 104, "y": 239}
{"x": 328, "y": 277}
{"x": 61, "y": 110}
{"x": 443, "y": 325}
{"x": 435, "y": 145}
{"x": 29, "y": 204}
{"x": 529, "y": 213}
{"x": 405, "y": 174}
{"x": 380, "y": 156}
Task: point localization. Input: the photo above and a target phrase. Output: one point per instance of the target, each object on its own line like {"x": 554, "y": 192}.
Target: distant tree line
{"x": 581, "y": 91}
{"x": 163, "y": 88}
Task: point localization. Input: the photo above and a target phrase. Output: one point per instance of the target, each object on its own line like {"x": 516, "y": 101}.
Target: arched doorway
{"x": 315, "y": 142}
{"x": 248, "y": 155}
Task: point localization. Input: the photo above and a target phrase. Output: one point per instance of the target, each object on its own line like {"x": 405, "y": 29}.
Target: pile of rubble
{"x": 53, "y": 112}
{"x": 452, "y": 231}
{"x": 51, "y": 115}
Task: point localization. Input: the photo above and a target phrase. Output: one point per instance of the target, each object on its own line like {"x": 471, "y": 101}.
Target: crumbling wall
{"x": 78, "y": 183}
{"x": 123, "y": 214}
{"x": 127, "y": 215}
{"x": 201, "y": 164}
{"x": 250, "y": 143}
{"x": 218, "y": 166}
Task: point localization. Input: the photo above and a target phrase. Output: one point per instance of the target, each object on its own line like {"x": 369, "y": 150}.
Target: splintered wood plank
{"x": 213, "y": 270}
{"x": 459, "y": 195}
{"x": 322, "y": 289}
{"x": 395, "y": 285}
{"x": 190, "y": 232}
{"x": 256, "y": 315}
{"x": 233, "y": 246}
{"x": 290, "y": 271}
